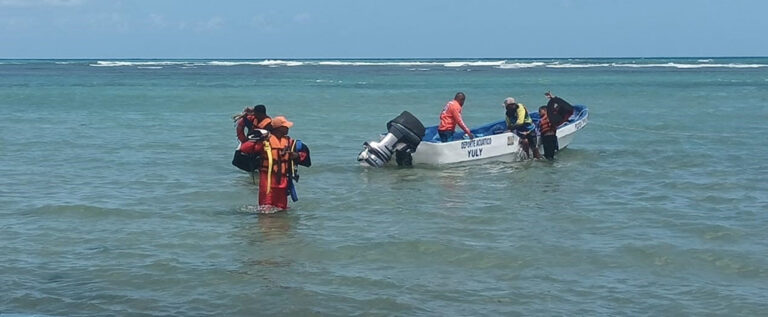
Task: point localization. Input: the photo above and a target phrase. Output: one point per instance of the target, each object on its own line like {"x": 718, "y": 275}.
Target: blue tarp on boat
{"x": 498, "y": 127}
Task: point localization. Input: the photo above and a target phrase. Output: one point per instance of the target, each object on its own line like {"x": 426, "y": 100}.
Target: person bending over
{"x": 519, "y": 121}
{"x": 450, "y": 117}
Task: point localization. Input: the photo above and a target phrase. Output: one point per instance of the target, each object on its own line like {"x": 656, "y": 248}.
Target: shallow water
{"x": 117, "y": 196}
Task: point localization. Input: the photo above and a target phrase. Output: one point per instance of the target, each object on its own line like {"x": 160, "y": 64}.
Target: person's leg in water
{"x": 549, "y": 144}
{"x": 277, "y": 197}
{"x": 532, "y": 144}
{"x": 525, "y": 146}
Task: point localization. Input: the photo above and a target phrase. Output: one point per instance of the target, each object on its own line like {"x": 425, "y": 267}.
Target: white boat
{"x": 491, "y": 140}
{"x": 413, "y": 144}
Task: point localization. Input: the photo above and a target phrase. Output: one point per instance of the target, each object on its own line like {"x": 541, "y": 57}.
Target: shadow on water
{"x": 270, "y": 225}
{"x": 261, "y": 257}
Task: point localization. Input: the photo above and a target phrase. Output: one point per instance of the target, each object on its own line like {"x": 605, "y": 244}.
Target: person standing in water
{"x": 450, "y": 117}
{"x": 519, "y": 121}
{"x": 251, "y": 119}
{"x": 262, "y": 120}
{"x": 548, "y": 133}
{"x": 279, "y": 156}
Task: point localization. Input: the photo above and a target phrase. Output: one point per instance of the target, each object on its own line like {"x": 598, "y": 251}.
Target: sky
{"x": 291, "y": 29}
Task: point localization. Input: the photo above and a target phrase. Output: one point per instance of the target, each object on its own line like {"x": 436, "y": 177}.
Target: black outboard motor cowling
{"x": 404, "y": 135}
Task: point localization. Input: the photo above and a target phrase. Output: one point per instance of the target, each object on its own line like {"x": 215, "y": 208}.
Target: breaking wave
{"x": 422, "y": 65}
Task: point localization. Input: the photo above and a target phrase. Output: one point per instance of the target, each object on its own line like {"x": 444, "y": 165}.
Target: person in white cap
{"x": 519, "y": 121}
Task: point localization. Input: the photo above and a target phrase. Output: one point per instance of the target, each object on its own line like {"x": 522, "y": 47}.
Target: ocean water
{"x": 117, "y": 196}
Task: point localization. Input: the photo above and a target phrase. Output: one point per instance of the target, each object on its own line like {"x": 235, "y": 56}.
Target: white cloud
{"x": 262, "y": 23}
{"x": 14, "y": 24}
{"x": 40, "y": 3}
{"x": 302, "y": 18}
{"x": 213, "y": 23}
{"x": 158, "y": 20}
{"x": 110, "y": 21}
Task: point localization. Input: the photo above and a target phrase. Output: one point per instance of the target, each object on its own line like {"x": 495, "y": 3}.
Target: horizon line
{"x": 369, "y": 58}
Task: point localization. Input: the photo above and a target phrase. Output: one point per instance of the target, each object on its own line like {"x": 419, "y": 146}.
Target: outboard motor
{"x": 404, "y": 135}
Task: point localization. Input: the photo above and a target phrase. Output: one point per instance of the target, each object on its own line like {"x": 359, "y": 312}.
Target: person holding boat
{"x": 450, "y": 117}
{"x": 519, "y": 121}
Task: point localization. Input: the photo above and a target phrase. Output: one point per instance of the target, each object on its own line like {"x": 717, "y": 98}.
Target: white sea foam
{"x": 219, "y": 63}
{"x": 270, "y": 62}
{"x": 150, "y": 67}
{"x": 520, "y": 65}
{"x": 329, "y": 81}
{"x": 418, "y": 65}
{"x": 128, "y": 63}
{"x": 556, "y": 65}
{"x": 373, "y": 63}
{"x": 676, "y": 65}
{"x": 266, "y": 62}
{"x": 476, "y": 63}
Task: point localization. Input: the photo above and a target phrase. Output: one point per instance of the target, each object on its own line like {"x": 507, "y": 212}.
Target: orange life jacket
{"x": 264, "y": 123}
{"x": 273, "y": 162}
{"x": 545, "y": 127}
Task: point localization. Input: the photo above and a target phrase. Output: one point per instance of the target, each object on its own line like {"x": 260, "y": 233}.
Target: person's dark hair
{"x": 260, "y": 109}
{"x": 460, "y": 96}
{"x": 543, "y": 108}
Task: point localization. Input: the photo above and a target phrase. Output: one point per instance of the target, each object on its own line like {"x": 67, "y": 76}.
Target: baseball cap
{"x": 281, "y": 121}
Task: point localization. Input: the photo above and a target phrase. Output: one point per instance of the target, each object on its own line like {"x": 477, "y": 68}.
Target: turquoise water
{"x": 117, "y": 196}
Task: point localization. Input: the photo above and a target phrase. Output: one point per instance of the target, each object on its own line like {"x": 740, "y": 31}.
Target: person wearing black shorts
{"x": 548, "y": 134}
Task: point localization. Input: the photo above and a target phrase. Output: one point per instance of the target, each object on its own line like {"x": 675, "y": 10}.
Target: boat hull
{"x": 503, "y": 145}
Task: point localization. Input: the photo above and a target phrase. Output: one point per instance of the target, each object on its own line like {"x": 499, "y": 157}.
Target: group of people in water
{"x": 552, "y": 115}
{"x": 266, "y": 148}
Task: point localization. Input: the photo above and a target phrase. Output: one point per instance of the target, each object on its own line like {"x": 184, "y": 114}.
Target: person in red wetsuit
{"x": 450, "y": 117}
{"x": 278, "y": 156}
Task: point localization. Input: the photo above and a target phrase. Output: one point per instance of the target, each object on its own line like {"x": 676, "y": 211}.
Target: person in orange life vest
{"x": 262, "y": 120}
{"x": 450, "y": 117}
{"x": 276, "y": 167}
{"x": 548, "y": 134}
{"x": 252, "y": 119}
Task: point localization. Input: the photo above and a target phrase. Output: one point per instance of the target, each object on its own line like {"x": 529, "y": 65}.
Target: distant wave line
{"x": 500, "y": 64}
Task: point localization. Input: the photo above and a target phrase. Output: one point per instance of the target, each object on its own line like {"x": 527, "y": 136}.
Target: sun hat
{"x": 281, "y": 121}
